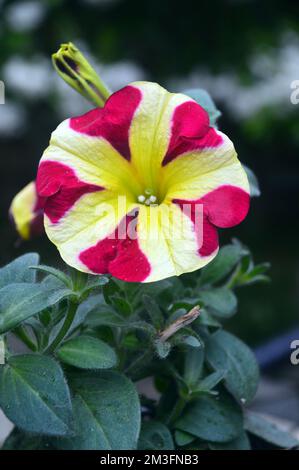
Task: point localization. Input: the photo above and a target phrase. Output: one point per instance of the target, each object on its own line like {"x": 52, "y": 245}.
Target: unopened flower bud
{"x": 26, "y": 212}
{"x": 75, "y": 70}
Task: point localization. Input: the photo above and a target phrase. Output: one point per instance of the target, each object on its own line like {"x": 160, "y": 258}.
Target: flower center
{"x": 148, "y": 198}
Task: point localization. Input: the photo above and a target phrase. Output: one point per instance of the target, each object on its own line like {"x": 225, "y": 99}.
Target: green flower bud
{"x": 75, "y": 70}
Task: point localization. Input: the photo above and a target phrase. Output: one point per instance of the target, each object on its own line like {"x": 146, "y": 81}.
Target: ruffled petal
{"x": 119, "y": 253}
{"x": 167, "y": 238}
{"x": 150, "y": 131}
{"x": 195, "y": 174}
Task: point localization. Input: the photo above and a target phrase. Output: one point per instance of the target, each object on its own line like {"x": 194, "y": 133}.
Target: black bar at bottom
{"x": 137, "y": 459}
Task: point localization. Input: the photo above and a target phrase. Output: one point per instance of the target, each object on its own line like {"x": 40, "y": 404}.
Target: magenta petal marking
{"x": 113, "y": 121}
{"x": 190, "y": 131}
{"x": 61, "y": 188}
{"x": 223, "y": 207}
{"x": 118, "y": 256}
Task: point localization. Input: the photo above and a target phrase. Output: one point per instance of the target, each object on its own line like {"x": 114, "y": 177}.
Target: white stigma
{"x": 141, "y": 198}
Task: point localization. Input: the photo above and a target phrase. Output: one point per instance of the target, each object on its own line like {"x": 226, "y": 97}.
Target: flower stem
{"x": 64, "y": 329}
{"x": 176, "y": 411}
{"x": 141, "y": 361}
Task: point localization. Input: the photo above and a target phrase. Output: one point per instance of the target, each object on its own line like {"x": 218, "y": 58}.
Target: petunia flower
{"x": 124, "y": 185}
{"x": 26, "y": 212}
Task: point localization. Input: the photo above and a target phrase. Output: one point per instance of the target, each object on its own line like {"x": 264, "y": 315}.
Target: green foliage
{"x": 253, "y": 182}
{"x": 18, "y": 270}
{"x": 35, "y": 395}
{"x": 212, "y": 419}
{"x": 227, "y": 353}
{"x": 106, "y": 412}
{"x": 221, "y": 301}
{"x": 84, "y": 324}
{"x": 240, "y": 443}
{"x": 87, "y": 352}
{"x": 155, "y": 436}
{"x": 226, "y": 260}
{"x": 18, "y": 302}
{"x": 259, "y": 426}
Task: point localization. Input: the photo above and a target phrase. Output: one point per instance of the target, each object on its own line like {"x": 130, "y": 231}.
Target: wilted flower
{"x": 138, "y": 188}
{"x": 26, "y": 212}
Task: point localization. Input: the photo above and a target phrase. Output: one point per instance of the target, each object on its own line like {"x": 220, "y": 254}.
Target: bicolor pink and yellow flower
{"x": 26, "y": 212}
{"x": 157, "y": 151}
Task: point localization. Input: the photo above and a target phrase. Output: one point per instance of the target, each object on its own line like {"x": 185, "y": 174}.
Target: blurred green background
{"x": 245, "y": 52}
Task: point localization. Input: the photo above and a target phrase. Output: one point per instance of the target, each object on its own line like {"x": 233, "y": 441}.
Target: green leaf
{"x": 94, "y": 282}
{"x": 222, "y": 265}
{"x": 211, "y": 381}
{"x": 193, "y": 365}
{"x": 18, "y": 302}
{"x": 87, "y": 352}
{"x": 240, "y": 443}
{"x": 203, "y": 98}
{"x": 266, "y": 430}
{"x": 254, "y": 274}
{"x": 153, "y": 311}
{"x": 19, "y": 440}
{"x": 183, "y": 438}
{"x": 107, "y": 412}
{"x": 54, "y": 272}
{"x": 110, "y": 289}
{"x": 19, "y": 270}
{"x": 211, "y": 419}
{"x": 221, "y": 301}
{"x": 190, "y": 340}
{"x": 99, "y": 313}
{"x": 206, "y": 319}
{"x": 34, "y": 395}
{"x": 121, "y": 305}
{"x": 253, "y": 182}
{"x": 226, "y": 352}
{"x": 155, "y": 436}
{"x": 163, "y": 348}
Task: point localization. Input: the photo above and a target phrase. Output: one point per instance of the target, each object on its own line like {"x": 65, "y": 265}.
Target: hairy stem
{"x": 176, "y": 411}
{"x": 65, "y": 327}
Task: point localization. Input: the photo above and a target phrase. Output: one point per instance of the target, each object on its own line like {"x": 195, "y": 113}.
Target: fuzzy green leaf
{"x": 87, "y": 352}
{"x": 221, "y": 301}
{"x": 155, "y": 436}
{"x": 34, "y": 395}
{"x": 222, "y": 265}
{"x": 226, "y": 352}
{"x": 107, "y": 412}
{"x": 19, "y": 270}
{"x": 265, "y": 429}
{"x": 211, "y": 419}
{"x": 240, "y": 443}
{"x": 18, "y": 302}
